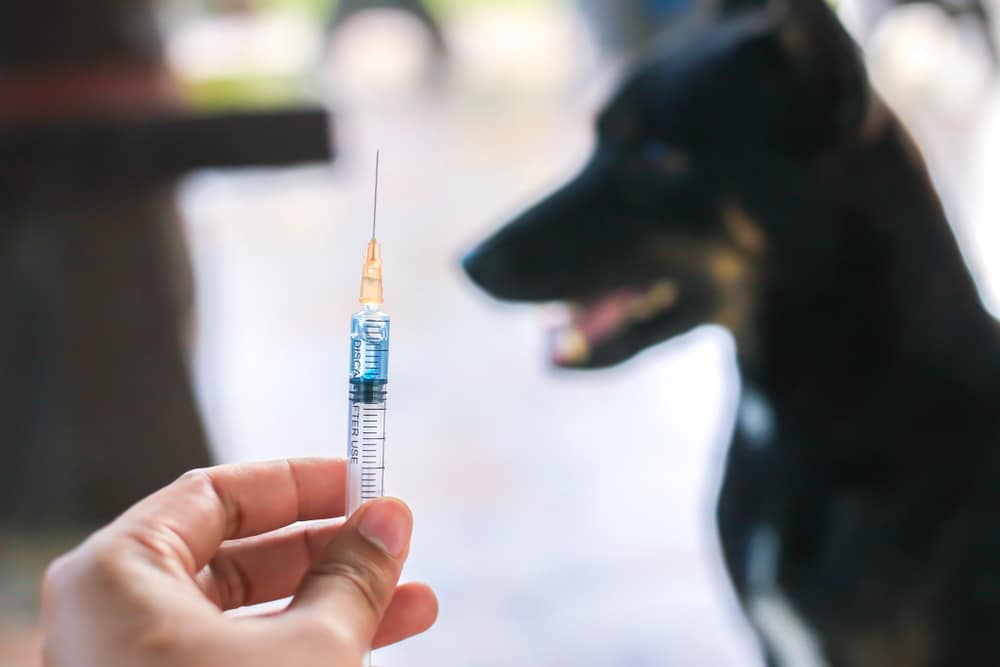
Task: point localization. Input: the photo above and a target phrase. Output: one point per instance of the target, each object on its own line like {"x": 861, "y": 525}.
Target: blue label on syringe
{"x": 369, "y": 347}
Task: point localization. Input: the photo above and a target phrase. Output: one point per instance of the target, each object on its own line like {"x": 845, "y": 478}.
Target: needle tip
{"x": 375, "y": 204}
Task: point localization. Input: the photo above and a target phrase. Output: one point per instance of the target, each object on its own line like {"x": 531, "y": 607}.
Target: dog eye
{"x": 666, "y": 159}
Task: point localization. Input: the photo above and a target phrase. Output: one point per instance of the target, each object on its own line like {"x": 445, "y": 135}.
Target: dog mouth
{"x": 604, "y": 329}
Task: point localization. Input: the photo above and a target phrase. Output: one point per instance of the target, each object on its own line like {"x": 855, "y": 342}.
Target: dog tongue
{"x": 599, "y": 319}
{"x": 590, "y": 325}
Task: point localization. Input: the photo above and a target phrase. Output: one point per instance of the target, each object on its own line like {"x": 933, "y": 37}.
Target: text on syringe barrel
{"x": 366, "y": 407}
{"x": 369, "y": 348}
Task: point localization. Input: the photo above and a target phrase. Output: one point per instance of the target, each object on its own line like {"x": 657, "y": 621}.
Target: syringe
{"x": 369, "y": 375}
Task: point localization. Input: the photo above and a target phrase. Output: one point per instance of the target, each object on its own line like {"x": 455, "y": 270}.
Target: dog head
{"x": 699, "y": 156}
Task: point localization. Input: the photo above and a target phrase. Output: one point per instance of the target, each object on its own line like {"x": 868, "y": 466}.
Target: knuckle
{"x": 56, "y": 578}
{"x": 199, "y": 478}
{"x": 96, "y": 562}
{"x": 202, "y": 482}
{"x": 105, "y": 568}
{"x": 361, "y": 580}
{"x": 233, "y": 583}
{"x": 104, "y": 558}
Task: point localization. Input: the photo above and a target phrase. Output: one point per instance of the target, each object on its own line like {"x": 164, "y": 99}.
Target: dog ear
{"x": 831, "y": 94}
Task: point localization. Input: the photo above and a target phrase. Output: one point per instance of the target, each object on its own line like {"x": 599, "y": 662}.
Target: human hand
{"x": 150, "y": 588}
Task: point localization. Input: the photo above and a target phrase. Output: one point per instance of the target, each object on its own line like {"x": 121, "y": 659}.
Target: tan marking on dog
{"x": 735, "y": 267}
{"x": 745, "y": 232}
{"x": 661, "y": 295}
{"x": 727, "y": 266}
{"x": 734, "y": 276}
{"x": 732, "y": 272}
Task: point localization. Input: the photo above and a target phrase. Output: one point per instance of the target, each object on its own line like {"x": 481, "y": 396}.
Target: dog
{"x": 750, "y": 177}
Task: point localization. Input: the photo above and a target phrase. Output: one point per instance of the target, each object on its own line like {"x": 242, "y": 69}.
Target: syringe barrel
{"x": 369, "y": 376}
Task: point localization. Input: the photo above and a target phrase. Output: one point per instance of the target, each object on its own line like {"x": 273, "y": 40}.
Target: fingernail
{"x": 386, "y": 524}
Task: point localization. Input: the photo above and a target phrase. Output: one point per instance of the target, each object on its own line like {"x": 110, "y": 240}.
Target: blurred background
{"x": 542, "y": 552}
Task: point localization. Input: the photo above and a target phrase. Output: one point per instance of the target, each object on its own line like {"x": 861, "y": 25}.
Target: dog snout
{"x": 549, "y": 250}
{"x": 487, "y": 270}
{"x": 509, "y": 265}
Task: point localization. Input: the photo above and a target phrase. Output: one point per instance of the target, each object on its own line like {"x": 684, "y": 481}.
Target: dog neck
{"x": 889, "y": 315}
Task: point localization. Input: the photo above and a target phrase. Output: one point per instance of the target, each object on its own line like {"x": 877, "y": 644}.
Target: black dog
{"x": 751, "y": 178}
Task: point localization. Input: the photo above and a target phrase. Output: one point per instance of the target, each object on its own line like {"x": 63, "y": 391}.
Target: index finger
{"x": 191, "y": 517}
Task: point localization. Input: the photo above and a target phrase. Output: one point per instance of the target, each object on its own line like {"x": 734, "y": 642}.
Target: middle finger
{"x": 264, "y": 567}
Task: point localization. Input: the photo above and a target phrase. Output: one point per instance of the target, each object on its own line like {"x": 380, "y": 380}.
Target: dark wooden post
{"x": 96, "y": 406}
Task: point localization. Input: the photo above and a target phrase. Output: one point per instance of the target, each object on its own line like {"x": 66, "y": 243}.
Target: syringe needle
{"x": 371, "y": 276}
{"x": 369, "y": 376}
{"x": 375, "y": 203}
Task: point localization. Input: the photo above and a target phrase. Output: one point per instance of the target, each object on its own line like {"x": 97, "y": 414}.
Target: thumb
{"x": 349, "y": 588}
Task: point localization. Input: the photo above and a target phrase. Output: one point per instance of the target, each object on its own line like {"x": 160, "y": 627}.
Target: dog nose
{"x": 492, "y": 268}
{"x": 478, "y": 268}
